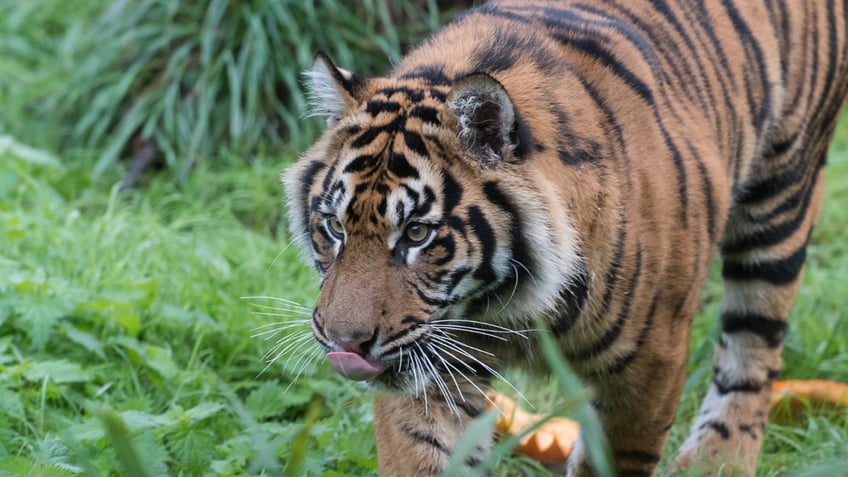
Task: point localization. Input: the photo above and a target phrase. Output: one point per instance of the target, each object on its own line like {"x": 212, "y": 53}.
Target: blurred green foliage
{"x": 195, "y": 79}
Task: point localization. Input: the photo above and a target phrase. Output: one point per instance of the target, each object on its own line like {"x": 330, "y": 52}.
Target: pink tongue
{"x": 354, "y": 366}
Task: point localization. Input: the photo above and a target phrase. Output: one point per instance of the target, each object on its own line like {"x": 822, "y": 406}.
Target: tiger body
{"x": 581, "y": 162}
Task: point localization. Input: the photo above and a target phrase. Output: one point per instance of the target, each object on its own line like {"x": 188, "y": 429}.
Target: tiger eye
{"x": 417, "y": 232}
{"x": 335, "y": 226}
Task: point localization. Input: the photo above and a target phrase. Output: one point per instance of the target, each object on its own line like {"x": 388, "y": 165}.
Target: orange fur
{"x": 583, "y": 163}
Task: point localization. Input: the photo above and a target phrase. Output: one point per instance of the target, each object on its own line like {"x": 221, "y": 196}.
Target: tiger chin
{"x": 578, "y": 164}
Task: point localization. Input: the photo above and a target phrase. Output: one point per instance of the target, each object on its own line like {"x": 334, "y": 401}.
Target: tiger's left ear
{"x": 333, "y": 91}
{"x": 486, "y": 118}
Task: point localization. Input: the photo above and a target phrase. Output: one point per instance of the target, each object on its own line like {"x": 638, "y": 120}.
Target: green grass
{"x": 126, "y": 348}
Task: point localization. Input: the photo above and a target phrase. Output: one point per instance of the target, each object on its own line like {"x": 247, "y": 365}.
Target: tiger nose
{"x": 360, "y": 344}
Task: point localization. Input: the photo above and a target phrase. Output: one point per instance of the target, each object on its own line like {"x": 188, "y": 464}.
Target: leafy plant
{"x": 194, "y": 78}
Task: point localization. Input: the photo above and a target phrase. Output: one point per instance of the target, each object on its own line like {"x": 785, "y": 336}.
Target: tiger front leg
{"x": 415, "y": 437}
{"x": 636, "y": 407}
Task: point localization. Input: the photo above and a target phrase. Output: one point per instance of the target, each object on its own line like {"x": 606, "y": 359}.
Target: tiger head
{"x": 417, "y": 213}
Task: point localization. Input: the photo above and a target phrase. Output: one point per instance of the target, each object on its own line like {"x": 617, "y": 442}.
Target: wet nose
{"x": 359, "y": 344}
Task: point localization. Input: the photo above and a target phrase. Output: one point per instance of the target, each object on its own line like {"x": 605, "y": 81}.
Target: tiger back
{"x": 581, "y": 162}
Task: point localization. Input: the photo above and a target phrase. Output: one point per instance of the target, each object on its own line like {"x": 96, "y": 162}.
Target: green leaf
{"x": 85, "y": 339}
{"x": 10, "y": 404}
{"x": 58, "y": 371}
{"x": 591, "y": 433}
{"x": 192, "y": 446}
{"x": 14, "y": 466}
{"x": 36, "y": 157}
{"x": 271, "y": 399}
{"x": 479, "y": 430}
{"x": 160, "y": 360}
{"x": 203, "y": 411}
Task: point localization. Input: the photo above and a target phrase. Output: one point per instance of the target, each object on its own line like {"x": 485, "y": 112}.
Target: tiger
{"x": 576, "y": 164}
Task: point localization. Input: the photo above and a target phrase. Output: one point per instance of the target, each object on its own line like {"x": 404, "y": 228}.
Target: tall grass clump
{"x": 194, "y": 78}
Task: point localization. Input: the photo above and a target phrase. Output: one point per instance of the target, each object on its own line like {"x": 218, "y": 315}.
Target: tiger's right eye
{"x": 335, "y": 226}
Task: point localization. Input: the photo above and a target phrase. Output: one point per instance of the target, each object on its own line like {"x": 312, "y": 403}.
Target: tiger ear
{"x": 333, "y": 91}
{"x": 486, "y": 118}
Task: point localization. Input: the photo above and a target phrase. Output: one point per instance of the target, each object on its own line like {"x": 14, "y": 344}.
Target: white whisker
{"x": 455, "y": 346}
{"x": 472, "y": 383}
{"x": 436, "y": 353}
{"x": 315, "y": 353}
{"x": 467, "y": 329}
{"x": 440, "y": 383}
{"x": 270, "y": 360}
{"x": 287, "y": 343}
{"x": 277, "y": 330}
{"x": 277, "y": 299}
{"x": 501, "y": 329}
{"x": 530, "y": 274}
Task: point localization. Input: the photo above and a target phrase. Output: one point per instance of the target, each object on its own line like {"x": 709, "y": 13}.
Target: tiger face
{"x": 403, "y": 207}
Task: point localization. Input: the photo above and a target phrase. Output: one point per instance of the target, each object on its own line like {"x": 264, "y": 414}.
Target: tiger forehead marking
{"x": 387, "y": 172}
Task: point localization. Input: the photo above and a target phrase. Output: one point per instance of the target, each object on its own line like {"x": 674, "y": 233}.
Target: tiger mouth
{"x": 355, "y": 366}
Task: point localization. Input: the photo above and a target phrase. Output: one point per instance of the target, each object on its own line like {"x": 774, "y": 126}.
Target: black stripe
{"x": 482, "y": 229}
{"x": 425, "y": 114}
{"x": 745, "y": 387}
{"x": 763, "y": 189}
{"x": 433, "y": 74}
{"x": 519, "y": 249}
{"x": 413, "y": 94}
{"x": 771, "y": 330}
{"x": 620, "y": 364}
{"x": 720, "y": 428}
{"x": 609, "y": 338}
{"x": 305, "y": 184}
{"x": 400, "y": 166}
{"x": 415, "y": 143}
{"x": 451, "y": 193}
{"x": 776, "y": 272}
{"x": 572, "y": 298}
{"x": 709, "y": 198}
{"x": 425, "y": 438}
{"x": 376, "y": 106}
{"x": 756, "y": 64}
{"x": 361, "y": 163}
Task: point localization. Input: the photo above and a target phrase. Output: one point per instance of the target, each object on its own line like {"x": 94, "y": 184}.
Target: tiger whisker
{"x": 294, "y": 240}
{"x": 499, "y": 328}
{"x": 419, "y": 372}
{"x": 440, "y": 382}
{"x": 287, "y": 343}
{"x": 289, "y": 308}
{"x": 454, "y": 344}
{"x": 274, "y": 331}
{"x": 277, "y": 299}
{"x": 281, "y": 315}
{"x": 268, "y": 325}
{"x": 312, "y": 356}
{"x": 514, "y": 288}
{"x": 467, "y": 329}
{"x": 447, "y": 365}
{"x": 270, "y": 360}
{"x": 472, "y": 383}
{"x": 529, "y": 273}
{"x": 452, "y": 338}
